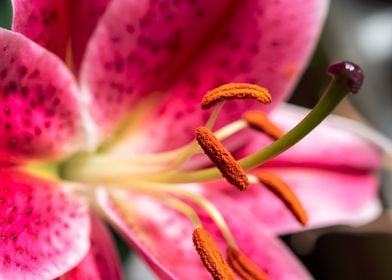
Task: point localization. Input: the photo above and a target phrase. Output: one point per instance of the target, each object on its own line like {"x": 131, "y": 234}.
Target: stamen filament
{"x": 179, "y": 206}
{"x": 192, "y": 147}
{"x": 213, "y": 212}
{"x": 203, "y": 203}
{"x": 214, "y": 115}
{"x": 118, "y": 198}
{"x": 134, "y": 166}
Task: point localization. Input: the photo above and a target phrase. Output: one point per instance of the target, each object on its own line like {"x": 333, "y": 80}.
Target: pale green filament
{"x": 193, "y": 146}
{"x": 159, "y": 190}
{"x": 102, "y": 168}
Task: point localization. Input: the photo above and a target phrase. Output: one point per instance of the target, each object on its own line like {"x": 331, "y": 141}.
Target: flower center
{"x": 163, "y": 175}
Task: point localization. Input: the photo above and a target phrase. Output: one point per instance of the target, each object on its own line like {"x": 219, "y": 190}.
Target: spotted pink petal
{"x": 328, "y": 197}
{"x": 45, "y": 231}
{"x": 161, "y": 235}
{"x": 84, "y": 16}
{"x": 178, "y": 50}
{"x": 102, "y": 261}
{"x": 45, "y": 22}
{"x": 39, "y": 112}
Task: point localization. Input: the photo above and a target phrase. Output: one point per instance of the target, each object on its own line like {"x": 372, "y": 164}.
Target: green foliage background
{"x": 5, "y": 13}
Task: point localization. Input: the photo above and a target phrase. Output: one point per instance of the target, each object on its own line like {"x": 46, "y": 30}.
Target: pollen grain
{"x": 211, "y": 256}
{"x": 284, "y": 192}
{"x": 243, "y": 266}
{"x": 233, "y": 91}
{"x": 260, "y": 122}
{"x": 222, "y": 158}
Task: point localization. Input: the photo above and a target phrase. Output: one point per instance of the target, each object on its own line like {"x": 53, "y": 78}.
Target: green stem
{"x": 332, "y": 97}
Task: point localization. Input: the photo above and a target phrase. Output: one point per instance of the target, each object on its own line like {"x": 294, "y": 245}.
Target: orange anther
{"x": 211, "y": 256}
{"x": 284, "y": 192}
{"x": 235, "y": 91}
{"x": 243, "y": 266}
{"x": 261, "y": 122}
{"x": 222, "y": 158}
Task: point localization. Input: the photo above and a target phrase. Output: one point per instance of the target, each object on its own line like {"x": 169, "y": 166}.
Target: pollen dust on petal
{"x": 243, "y": 266}
{"x": 290, "y": 71}
{"x": 222, "y": 158}
{"x": 235, "y": 91}
{"x": 259, "y": 121}
{"x": 211, "y": 256}
{"x": 284, "y": 192}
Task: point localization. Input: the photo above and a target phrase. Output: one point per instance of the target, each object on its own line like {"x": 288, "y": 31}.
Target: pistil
{"x": 346, "y": 78}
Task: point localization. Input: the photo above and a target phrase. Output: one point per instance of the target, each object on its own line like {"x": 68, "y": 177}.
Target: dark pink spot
{"x": 22, "y": 71}
{"x": 34, "y": 74}
{"x": 28, "y": 211}
{"x": 49, "y": 18}
{"x": 130, "y": 28}
{"x": 6, "y": 260}
{"x": 3, "y": 74}
{"x": 7, "y": 111}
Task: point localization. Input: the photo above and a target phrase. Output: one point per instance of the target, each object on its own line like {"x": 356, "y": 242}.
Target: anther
{"x": 244, "y": 267}
{"x": 235, "y": 91}
{"x": 259, "y": 121}
{"x": 222, "y": 158}
{"x": 284, "y": 192}
{"x": 211, "y": 256}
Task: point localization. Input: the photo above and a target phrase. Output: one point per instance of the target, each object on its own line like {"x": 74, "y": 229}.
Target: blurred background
{"x": 360, "y": 31}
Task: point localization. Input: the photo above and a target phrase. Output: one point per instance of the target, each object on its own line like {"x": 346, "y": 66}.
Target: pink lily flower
{"x": 100, "y": 98}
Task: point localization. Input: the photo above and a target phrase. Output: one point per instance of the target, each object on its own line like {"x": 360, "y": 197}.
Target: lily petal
{"x": 45, "y": 231}
{"x": 102, "y": 261}
{"x": 44, "y": 22}
{"x": 161, "y": 238}
{"x": 84, "y": 17}
{"x": 328, "y": 197}
{"x": 145, "y": 47}
{"x": 39, "y": 110}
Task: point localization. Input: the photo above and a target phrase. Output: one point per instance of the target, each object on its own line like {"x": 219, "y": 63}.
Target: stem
{"x": 332, "y": 97}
